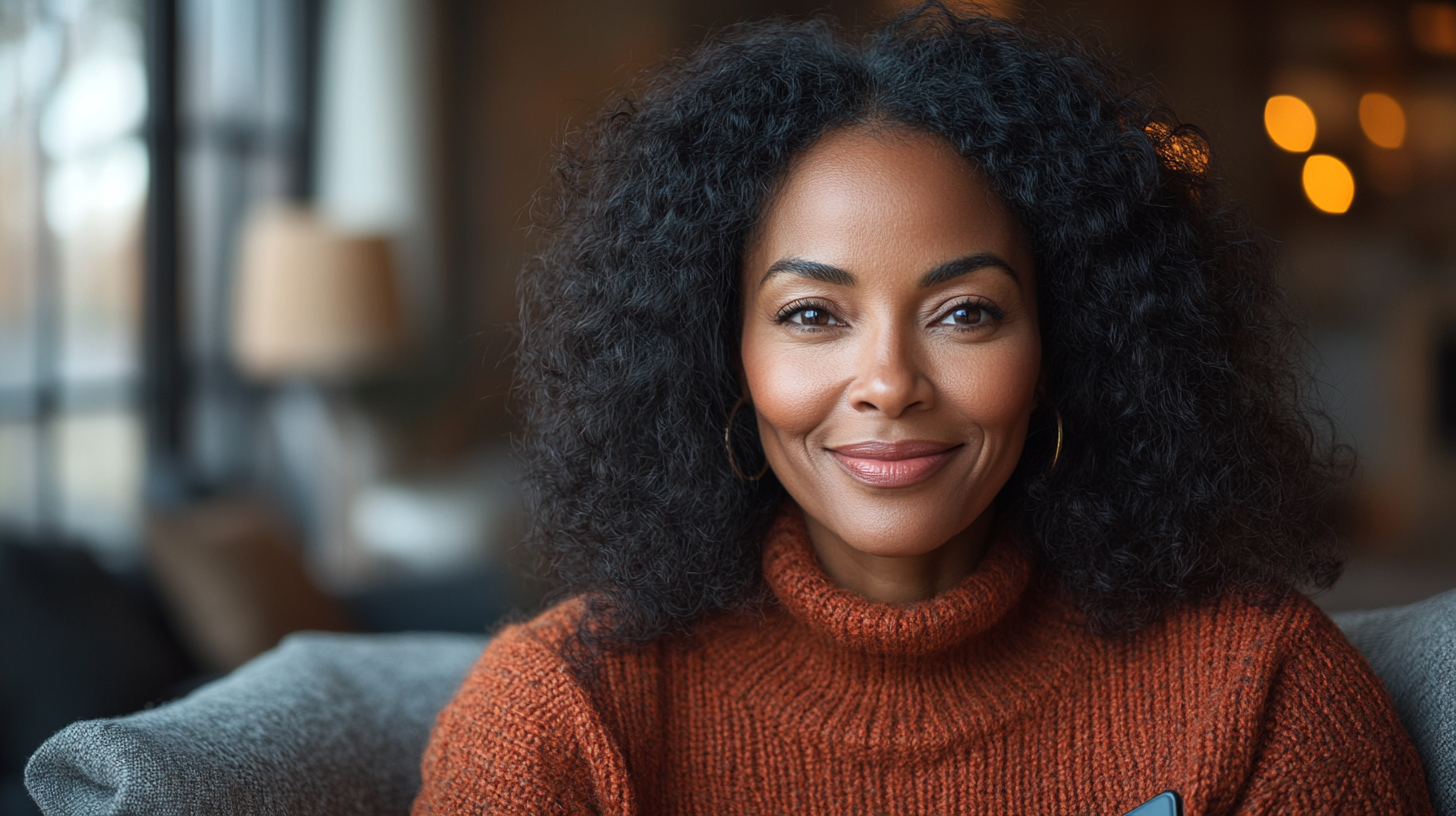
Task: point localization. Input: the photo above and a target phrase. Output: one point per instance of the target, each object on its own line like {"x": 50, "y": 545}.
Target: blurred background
{"x": 257, "y": 270}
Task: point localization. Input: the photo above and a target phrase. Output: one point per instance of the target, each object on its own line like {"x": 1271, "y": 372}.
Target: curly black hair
{"x": 1193, "y": 463}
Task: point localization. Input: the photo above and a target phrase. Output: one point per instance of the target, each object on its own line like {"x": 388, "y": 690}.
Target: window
{"x": 75, "y": 172}
{"x": 245, "y": 110}
{"x": 73, "y": 186}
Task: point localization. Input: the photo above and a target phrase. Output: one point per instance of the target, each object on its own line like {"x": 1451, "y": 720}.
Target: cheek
{"x": 993, "y": 388}
{"x": 792, "y": 388}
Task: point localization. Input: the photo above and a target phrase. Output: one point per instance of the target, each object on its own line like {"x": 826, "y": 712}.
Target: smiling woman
{"x": 1018, "y": 486}
{"x": 891, "y": 350}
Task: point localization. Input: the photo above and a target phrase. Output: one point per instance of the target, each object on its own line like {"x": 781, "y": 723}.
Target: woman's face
{"x": 890, "y": 343}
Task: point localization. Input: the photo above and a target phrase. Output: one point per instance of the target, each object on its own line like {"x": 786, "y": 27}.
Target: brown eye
{"x": 971, "y": 314}
{"x": 968, "y": 316}
{"x": 811, "y": 316}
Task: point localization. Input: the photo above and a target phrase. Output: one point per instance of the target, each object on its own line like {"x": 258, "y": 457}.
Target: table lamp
{"x": 312, "y": 302}
{"x": 316, "y": 309}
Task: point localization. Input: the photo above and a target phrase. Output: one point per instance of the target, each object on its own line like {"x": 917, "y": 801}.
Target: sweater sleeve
{"x": 522, "y": 737}
{"x": 1332, "y": 742}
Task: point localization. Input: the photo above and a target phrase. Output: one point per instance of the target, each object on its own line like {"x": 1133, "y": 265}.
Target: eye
{"x": 813, "y": 317}
{"x": 809, "y": 315}
{"x": 970, "y": 314}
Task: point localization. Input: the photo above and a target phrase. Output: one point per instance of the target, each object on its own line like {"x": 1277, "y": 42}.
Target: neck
{"x": 901, "y": 578}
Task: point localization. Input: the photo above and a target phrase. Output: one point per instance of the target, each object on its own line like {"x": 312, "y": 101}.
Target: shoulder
{"x": 1238, "y": 650}
{"x": 1317, "y": 728}
{"x": 523, "y": 674}
{"x": 1266, "y": 634}
{"x": 521, "y": 734}
{"x": 533, "y": 648}
{"x": 1285, "y": 646}
{"x": 1311, "y": 666}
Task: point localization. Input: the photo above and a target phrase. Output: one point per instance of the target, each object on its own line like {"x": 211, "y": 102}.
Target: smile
{"x": 893, "y": 464}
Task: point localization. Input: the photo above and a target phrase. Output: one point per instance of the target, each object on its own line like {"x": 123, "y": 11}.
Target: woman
{"x": 920, "y": 435}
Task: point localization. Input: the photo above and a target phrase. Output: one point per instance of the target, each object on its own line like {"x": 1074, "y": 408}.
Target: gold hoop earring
{"x": 1057, "y": 454}
{"x": 728, "y": 446}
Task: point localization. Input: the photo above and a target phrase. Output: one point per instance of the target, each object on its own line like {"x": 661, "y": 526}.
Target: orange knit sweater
{"x": 987, "y": 699}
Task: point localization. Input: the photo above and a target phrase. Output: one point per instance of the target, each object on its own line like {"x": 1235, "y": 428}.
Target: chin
{"x": 896, "y": 534}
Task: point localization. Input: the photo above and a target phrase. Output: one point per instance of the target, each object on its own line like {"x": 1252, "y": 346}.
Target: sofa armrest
{"x": 323, "y": 724}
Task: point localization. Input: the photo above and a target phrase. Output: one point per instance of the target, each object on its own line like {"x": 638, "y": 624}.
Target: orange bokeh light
{"x": 1290, "y": 123}
{"x": 1328, "y": 183}
{"x": 1383, "y": 120}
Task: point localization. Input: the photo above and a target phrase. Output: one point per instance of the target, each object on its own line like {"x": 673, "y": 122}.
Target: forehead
{"x": 869, "y": 199}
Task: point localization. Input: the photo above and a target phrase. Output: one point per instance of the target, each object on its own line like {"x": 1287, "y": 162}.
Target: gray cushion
{"x": 323, "y": 724}
{"x": 1413, "y": 649}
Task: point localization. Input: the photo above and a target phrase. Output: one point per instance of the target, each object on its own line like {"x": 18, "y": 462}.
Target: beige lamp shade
{"x": 311, "y": 301}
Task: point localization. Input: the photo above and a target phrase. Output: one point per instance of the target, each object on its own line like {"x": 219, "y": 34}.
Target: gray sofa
{"x": 335, "y": 724}
{"x": 323, "y": 724}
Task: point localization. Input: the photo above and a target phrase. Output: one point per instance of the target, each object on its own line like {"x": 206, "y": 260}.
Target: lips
{"x": 894, "y": 464}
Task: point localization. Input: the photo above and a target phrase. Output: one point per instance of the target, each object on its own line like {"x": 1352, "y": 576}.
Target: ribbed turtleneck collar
{"x": 970, "y": 608}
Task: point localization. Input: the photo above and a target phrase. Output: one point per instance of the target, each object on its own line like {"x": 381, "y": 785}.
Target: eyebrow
{"x": 950, "y": 270}
{"x": 947, "y": 271}
{"x": 809, "y": 269}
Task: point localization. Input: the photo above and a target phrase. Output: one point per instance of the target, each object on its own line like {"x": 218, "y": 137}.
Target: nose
{"x": 889, "y": 376}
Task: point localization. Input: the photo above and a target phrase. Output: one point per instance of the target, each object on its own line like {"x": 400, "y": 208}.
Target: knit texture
{"x": 991, "y": 698}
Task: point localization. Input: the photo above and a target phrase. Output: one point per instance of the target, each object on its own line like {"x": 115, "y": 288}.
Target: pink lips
{"x": 893, "y": 464}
